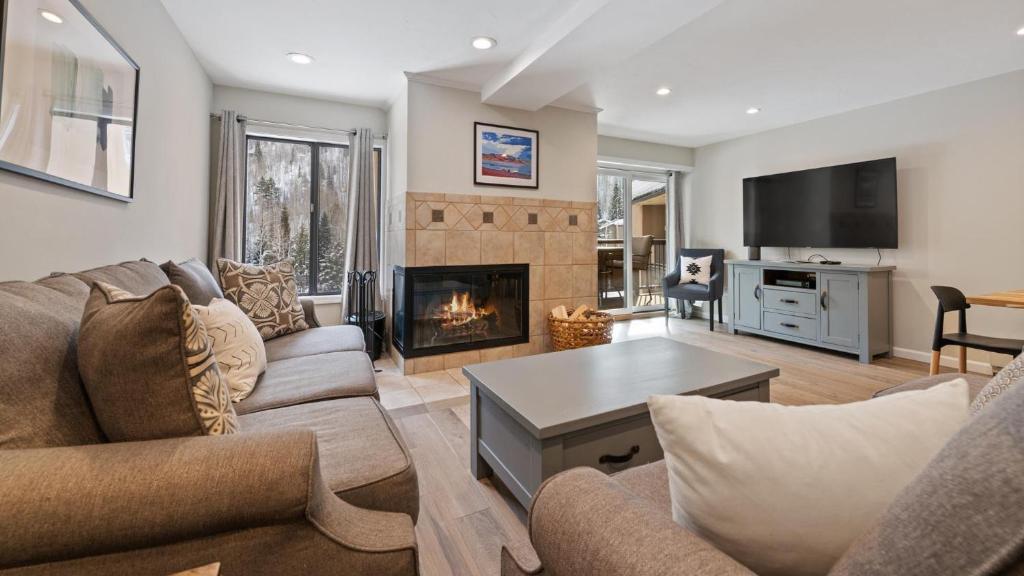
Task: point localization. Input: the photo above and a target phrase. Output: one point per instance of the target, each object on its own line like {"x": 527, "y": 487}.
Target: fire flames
{"x": 462, "y": 315}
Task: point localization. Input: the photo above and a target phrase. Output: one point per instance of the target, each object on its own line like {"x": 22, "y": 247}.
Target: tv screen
{"x": 846, "y": 206}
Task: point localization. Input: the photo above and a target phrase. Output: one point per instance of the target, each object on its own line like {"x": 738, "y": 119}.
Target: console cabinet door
{"x": 840, "y": 309}
{"x": 747, "y": 299}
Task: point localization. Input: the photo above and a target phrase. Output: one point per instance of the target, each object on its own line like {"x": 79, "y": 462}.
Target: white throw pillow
{"x": 787, "y": 489}
{"x": 237, "y": 345}
{"x": 695, "y": 270}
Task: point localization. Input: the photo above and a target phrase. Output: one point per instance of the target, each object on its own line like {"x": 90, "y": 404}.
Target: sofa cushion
{"x": 975, "y": 382}
{"x": 963, "y": 513}
{"x": 148, "y": 367}
{"x": 267, "y": 294}
{"x": 316, "y": 341}
{"x": 786, "y": 511}
{"x": 195, "y": 279}
{"x": 42, "y": 402}
{"x": 309, "y": 379}
{"x": 362, "y": 457}
{"x": 140, "y": 277}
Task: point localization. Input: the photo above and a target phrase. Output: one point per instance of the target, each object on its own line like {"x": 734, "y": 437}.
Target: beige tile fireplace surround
{"x": 557, "y": 238}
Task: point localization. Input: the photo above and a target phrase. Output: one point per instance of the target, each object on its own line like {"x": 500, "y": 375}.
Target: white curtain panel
{"x": 229, "y": 200}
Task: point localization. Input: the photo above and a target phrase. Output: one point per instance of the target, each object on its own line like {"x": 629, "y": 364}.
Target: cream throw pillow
{"x": 786, "y": 489}
{"x": 695, "y": 270}
{"x": 237, "y": 345}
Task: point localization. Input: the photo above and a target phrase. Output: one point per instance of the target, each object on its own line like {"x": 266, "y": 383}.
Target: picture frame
{"x": 506, "y": 156}
{"x": 68, "y": 99}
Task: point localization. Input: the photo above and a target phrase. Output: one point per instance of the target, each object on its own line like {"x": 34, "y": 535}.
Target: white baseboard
{"x": 949, "y": 361}
{"x": 907, "y": 353}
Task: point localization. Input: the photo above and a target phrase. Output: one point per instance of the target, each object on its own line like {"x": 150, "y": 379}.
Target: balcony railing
{"x": 646, "y": 276}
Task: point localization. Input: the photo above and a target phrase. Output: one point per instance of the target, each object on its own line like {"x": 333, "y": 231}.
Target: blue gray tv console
{"x": 840, "y": 307}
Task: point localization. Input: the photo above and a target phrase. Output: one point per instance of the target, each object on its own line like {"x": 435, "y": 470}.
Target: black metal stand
{"x": 362, "y": 310}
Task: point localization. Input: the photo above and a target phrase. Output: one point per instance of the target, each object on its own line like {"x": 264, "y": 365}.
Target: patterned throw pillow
{"x": 149, "y": 369}
{"x": 695, "y": 270}
{"x": 236, "y": 344}
{"x": 266, "y": 294}
{"x": 1011, "y": 374}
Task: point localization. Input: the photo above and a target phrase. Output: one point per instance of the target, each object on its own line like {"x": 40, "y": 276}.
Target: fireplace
{"x": 442, "y": 309}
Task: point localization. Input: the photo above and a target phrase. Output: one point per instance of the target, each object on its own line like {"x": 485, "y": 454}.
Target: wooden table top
{"x": 1009, "y": 299}
{"x": 561, "y": 392}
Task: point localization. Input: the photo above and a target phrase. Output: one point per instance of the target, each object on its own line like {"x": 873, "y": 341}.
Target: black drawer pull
{"x": 788, "y": 301}
{"x": 612, "y": 459}
{"x": 788, "y": 325}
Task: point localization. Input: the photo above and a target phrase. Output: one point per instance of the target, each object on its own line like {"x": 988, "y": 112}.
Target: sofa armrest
{"x": 584, "y": 522}
{"x": 309, "y": 310}
{"x": 520, "y": 561}
{"x": 64, "y": 503}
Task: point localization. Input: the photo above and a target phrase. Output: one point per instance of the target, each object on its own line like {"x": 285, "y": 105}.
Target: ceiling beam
{"x": 590, "y": 36}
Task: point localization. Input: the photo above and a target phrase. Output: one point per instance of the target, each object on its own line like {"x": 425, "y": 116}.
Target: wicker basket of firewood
{"x": 583, "y": 327}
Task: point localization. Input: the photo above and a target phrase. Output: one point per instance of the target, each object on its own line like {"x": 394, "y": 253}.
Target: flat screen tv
{"x": 845, "y": 206}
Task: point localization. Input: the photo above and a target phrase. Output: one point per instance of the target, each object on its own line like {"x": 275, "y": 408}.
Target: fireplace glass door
{"x": 461, "y": 308}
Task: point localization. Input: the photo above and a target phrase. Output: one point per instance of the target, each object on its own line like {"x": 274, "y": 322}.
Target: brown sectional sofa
{"x": 319, "y": 481}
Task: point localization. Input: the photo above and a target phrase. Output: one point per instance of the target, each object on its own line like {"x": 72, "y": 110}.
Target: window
{"x": 296, "y": 206}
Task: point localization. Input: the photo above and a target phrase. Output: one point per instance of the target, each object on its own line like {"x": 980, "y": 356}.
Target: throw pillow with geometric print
{"x": 695, "y": 270}
{"x": 267, "y": 294}
{"x": 149, "y": 368}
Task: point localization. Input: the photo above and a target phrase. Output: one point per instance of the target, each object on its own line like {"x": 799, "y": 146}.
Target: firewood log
{"x": 578, "y": 313}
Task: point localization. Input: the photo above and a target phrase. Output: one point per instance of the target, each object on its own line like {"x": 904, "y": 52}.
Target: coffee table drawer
{"x": 790, "y": 301}
{"x": 613, "y": 447}
{"x": 797, "y": 326}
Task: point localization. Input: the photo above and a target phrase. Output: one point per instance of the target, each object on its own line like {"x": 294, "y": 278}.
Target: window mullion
{"x": 314, "y": 219}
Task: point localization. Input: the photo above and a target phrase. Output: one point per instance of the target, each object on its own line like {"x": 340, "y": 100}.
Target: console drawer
{"x": 791, "y": 301}
{"x": 797, "y": 326}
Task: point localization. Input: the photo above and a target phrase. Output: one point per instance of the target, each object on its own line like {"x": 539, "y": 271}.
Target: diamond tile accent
{"x": 488, "y": 217}
{"x": 437, "y": 215}
{"x": 531, "y": 218}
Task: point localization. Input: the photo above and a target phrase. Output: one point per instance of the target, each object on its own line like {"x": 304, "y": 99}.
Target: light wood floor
{"x": 463, "y": 522}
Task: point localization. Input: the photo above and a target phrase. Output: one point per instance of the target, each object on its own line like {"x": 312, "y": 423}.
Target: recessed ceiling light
{"x": 663, "y": 91}
{"x": 300, "y": 58}
{"x": 1020, "y": 32}
{"x": 484, "y": 43}
{"x": 51, "y": 17}
{"x": 753, "y": 110}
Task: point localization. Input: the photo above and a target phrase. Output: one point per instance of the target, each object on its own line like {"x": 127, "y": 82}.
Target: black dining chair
{"x": 714, "y": 290}
{"x": 953, "y": 300}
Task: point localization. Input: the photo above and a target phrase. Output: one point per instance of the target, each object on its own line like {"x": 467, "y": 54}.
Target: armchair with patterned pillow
{"x": 691, "y": 289}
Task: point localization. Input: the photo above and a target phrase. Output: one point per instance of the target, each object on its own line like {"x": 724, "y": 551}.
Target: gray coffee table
{"x": 535, "y": 416}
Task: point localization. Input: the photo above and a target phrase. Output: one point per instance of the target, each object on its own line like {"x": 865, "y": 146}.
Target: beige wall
{"x": 298, "y": 110}
{"x": 45, "y": 228}
{"x": 612, "y": 148}
{"x": 441, "y": 145}
{"x": 960, "y": 161}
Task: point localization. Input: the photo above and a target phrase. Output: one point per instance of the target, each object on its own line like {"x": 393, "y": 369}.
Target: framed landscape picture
{"x": 505, "y": 156}
{"x": 69, "y": 99}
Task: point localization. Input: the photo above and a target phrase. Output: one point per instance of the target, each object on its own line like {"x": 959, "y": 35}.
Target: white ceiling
{"x": 795, "y": 59}
{"x": 361, "y": 47}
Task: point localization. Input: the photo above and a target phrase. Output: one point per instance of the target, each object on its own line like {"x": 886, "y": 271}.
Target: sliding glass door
{"x": 632, "y": 220}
